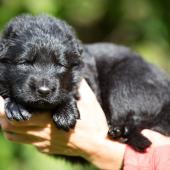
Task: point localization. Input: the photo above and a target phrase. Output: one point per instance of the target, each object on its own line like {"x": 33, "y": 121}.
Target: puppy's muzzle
{"x": 43, "y": 87}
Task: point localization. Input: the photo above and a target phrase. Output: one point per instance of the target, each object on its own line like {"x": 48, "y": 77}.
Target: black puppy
{"x": 42, "y": 63}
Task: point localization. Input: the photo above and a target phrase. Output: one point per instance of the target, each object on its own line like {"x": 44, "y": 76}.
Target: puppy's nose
{"x": 44, "y": 91}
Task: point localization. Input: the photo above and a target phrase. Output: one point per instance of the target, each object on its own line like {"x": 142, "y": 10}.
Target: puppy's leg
{"x": 132, "y": 97}
{"x": 15, "y": 111}
{"x": 138, "y": 142}
{"x": 130, "y": 135}
{"x": 65, "y": 115}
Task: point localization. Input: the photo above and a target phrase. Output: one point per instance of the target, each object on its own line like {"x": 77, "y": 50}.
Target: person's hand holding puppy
{"x": 88, "y": 139}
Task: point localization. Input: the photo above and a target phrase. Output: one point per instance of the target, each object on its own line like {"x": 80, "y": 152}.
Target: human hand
{"x": 42, "y": 129}
{"x": 88, "y": 139}
{"x": 156, "y": 156}
{"x": 156, "y": 138}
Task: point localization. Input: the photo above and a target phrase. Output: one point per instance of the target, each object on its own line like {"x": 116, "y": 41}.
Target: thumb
{"x": 86, "y": 92}
{"x": 156, "y": 138}
{"x": 88, "y": 102}
{"x": 89, "y": 107}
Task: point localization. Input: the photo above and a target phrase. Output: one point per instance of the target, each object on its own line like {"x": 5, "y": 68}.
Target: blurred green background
{"x": 143, "y": 25}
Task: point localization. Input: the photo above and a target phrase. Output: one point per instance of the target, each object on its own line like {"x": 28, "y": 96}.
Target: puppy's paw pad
{"x": 15, "y": 111}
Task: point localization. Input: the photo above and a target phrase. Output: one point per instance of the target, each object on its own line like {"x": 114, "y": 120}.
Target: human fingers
{"x": 27, "y": 135}
{"x": 21, "y": 138}
{"x": 88, "y": 104}
{"x": 92, "y": 116}
{"x": 85, "y": 92}
{"x": 6, "y": 126}
{"x": 156, "y": 138}
{"x": 38, "y": 119}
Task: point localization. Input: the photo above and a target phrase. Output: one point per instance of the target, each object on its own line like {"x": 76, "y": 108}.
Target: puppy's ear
{"x": 74, "y": 56}
{"x": 10, "y": 32}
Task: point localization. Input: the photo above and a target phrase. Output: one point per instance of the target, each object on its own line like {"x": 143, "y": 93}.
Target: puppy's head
{"x": 41, "y": 60}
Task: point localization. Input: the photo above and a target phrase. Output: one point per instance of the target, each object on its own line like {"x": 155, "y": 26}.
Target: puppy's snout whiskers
{"x": 42, "y": 87}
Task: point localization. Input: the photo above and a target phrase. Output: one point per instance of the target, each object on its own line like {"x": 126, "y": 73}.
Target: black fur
{"x": 42, "y": 63}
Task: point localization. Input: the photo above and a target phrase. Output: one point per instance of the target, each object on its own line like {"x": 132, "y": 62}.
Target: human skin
{"x": 88, "y": 139}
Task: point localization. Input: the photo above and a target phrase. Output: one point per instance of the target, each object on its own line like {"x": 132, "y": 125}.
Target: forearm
{"x": 109, "y": 157}
{"x": 104, "y": 154}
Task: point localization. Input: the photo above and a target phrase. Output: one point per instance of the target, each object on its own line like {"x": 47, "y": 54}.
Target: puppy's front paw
{"x": 65, "y": 116}
{"x": 64, "y": 121}
{"x": 15, "y": 111}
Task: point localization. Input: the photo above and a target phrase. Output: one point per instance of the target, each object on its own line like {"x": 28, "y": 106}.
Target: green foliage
{"x": 23, "y": 157}
{"x": 144, "y": 25}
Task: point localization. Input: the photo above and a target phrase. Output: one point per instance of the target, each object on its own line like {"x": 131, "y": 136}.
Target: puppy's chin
{"x": 40, "y": 105}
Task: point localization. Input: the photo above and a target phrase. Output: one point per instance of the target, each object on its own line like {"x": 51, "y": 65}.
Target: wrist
{"x": 105, "y": 154}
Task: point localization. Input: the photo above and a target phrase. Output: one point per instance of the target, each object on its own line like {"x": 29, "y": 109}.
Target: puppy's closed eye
{"x": 5, "y": 61}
